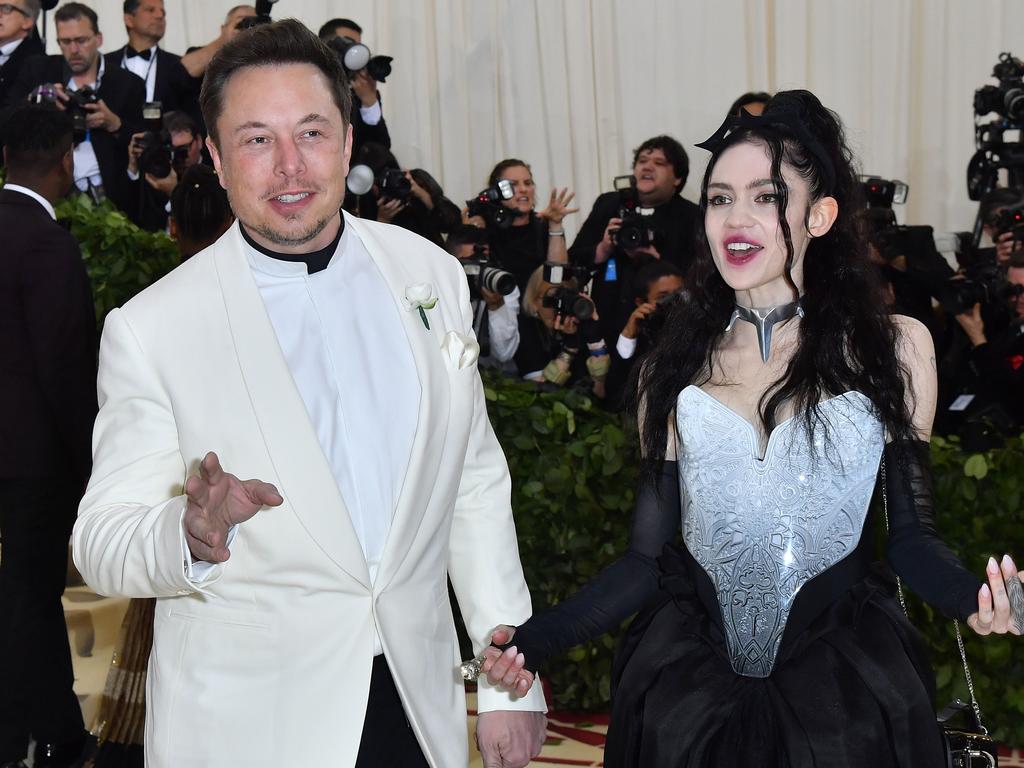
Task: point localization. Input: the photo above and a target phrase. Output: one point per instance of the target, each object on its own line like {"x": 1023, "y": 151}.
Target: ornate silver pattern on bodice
{"x": 761, "y": 528}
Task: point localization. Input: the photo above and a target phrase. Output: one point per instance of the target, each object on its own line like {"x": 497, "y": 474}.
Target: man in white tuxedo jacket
{"x": 303, "y": 617}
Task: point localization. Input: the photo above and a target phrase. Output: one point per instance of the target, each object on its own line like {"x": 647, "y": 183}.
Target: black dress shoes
{"x": 68, "y": 754}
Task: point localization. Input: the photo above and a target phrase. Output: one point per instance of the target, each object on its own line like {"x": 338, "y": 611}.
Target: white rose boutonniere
{"x": 420, "y": 297}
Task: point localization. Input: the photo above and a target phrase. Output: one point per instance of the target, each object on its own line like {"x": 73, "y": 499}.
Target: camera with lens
{"x": 159, "y": 155}
{"x": 563, "y": 299}
{"x": 263, "y": 8}
{"x": 75, "y": 105}
{"x": 636, "y": 229}
{"x": 483, "y": 276}
{"x": 488, "y": 205}
{"x": 1009, "y": 220}
{"x": 355, "y": 57}
{"x": 392, "y": 183}
{"x": 1007, "y": 98}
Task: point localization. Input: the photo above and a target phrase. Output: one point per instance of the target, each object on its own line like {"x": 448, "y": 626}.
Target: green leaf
{"x": 976, "y": 466}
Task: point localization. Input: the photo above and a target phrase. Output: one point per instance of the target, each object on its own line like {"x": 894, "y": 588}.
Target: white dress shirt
{"x": 372, "y": 114}
{"x": 145, "y": 69}
{"x": 344, "y": 342}
{"x": 8, "y": 48}
{"x": 35, "y": 196}
{"x": 502, "y": 326}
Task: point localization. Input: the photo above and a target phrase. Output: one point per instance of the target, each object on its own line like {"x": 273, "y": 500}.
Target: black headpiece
{"x": 784, "y": 119}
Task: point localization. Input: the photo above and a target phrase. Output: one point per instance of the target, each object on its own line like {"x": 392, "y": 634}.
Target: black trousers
{"x": 36, "y": 679}
{"x": 387, "y": 740}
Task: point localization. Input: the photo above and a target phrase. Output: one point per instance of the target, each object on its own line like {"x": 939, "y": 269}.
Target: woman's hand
{"x": 1001, "y": 601}
{"x": 505, "y": 668}
{"x": 558, "y": 207}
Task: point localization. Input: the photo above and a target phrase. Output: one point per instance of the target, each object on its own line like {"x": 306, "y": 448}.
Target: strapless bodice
{"x": 761, "y": 528}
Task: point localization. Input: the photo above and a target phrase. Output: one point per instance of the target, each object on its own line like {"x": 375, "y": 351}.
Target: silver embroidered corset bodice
{"x": 762, "y": 528}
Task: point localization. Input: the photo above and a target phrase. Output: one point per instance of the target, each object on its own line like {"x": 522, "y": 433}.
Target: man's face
{"x": 16, "y": 23}
{"x": 656, "y": 179}
{"x": 1016, "y": 277}
{"x": 231, "y": 23}
{"x": 662, "y": 287}
{"x": 350, "y": 33}
{"x": 79, "y": 43}
{"x": 182, "y": 139}
{"x": 283, "y": 155}
{"x": 149, "y": 19}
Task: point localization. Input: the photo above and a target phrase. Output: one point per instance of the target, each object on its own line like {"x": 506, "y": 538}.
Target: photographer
{"x": 996, "y": 359}
{"x": 1005, "y": 234}
{"x": 156, "y": 162}
{"x": 559, "y": 338}
{"x": 521, "y": 240}
{"x": 367, "y": 113}
{"x": 200, "y": 212}
{"x": 495, "y": 316}
{"x": 656, "y": 288}
{"x": 105, "y": 102}
{"x": 196, "y": 60}
{"x": 411, "y": 199}
{"x": 663, "y": 219}
{"x": 18, "y": 41}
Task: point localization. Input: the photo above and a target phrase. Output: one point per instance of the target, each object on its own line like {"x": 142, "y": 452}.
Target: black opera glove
{"x": 915, "y": 550}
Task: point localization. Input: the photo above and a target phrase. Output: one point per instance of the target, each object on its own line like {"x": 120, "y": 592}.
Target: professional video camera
{"x": 159, "y": 155}
{"x": 355, "y": 57}
{"x": 392, "y": 183}
{"x": 637, "y": 228}
{"x": 488, "y": 205}
{"x": 567, "y": 301}
{"x": 995, "y": 151}
{"x": 75, "y": 105}
{"x": 480, "y": 273}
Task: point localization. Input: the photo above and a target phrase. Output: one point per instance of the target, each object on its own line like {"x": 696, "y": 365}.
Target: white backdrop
{"x": 571, "y": 86}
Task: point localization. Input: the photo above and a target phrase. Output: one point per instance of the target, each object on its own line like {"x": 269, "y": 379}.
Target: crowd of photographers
{"x": 562, "y": 314}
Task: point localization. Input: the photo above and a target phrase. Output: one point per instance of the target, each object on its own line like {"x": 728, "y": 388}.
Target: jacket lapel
{"x": 432, "y": 420}
{"x": 305, "y": 477}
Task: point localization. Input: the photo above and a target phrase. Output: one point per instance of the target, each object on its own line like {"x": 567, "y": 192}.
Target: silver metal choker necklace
{"x": 764, "y": 320}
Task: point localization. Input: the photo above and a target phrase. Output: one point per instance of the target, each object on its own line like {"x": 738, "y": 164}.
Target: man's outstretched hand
{"x": 218, "y": 500}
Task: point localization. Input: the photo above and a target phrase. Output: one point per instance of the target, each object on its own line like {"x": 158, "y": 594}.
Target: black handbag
{"x": 970, "y": 746}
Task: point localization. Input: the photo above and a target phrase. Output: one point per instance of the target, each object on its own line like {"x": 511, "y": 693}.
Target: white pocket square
{"x": 462, "y": 351}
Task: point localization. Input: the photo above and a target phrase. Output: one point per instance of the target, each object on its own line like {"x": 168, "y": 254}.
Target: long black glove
{"x": 915, "y": 550}
{"x": 620, "y": 590}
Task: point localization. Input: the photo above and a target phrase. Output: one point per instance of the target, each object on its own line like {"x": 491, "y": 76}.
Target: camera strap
{"x": 764, "y": 320}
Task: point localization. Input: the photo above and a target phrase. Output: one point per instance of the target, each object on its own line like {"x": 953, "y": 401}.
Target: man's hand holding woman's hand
{"x": 218, "y": 500}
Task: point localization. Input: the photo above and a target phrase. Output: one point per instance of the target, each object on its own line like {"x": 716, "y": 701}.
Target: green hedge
{"x": 574, "y": 472}
{"x": 121, "y": 259}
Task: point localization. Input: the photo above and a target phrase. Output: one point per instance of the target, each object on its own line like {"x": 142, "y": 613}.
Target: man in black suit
{"x": 18, "y": 40}
{"x": 165, "y": 78}
{"x": 660, "y": 168}
{"x": 47, "y": 408}
{"x": 101, "y": 160}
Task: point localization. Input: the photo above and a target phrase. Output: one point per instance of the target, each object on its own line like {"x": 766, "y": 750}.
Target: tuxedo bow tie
{"x": 131, "y": 53}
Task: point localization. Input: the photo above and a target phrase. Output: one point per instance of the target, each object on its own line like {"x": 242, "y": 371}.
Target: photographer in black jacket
{"x": 660, "y": 168}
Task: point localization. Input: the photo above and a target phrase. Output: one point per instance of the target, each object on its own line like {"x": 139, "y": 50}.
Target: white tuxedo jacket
{"x": 267, "y": 662}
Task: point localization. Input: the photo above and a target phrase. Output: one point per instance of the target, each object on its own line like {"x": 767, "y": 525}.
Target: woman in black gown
{"x": 773, "y": 401}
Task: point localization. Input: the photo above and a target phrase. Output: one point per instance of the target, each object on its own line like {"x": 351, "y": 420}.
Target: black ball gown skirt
{"x": 852, "y": 688}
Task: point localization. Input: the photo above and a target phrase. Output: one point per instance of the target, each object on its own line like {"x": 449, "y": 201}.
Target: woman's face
{"x": 522, "y": 183}
{"x": 743, "y": 230}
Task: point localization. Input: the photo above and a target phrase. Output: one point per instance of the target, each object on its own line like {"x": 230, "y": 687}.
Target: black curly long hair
{"x": 846, "y": 341}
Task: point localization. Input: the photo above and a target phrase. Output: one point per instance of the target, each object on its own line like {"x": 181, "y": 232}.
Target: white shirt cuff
{"x": 625, "y": 347}
{"x": 371, "y": 115}
{"x": 134, "y": 176}
{"x": 199, "y": 572}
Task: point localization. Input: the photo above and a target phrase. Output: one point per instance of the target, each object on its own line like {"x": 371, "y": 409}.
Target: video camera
{"x": 75, "y": 105}
{"x": 637, "y": 228}
{"x": 993, "y": 151}
{"x": 488, "y": 205}
{"x": 355, "y": 57}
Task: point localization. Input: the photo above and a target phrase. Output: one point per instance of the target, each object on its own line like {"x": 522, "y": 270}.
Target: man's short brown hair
{"x": 71, "y": 11}
{"x": 283, "y": 42}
